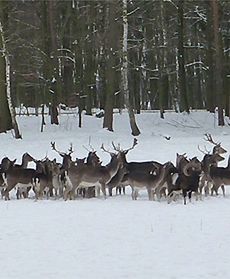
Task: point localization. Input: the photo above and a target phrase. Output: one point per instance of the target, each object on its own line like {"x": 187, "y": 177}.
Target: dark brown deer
{"x": 188, "y": 179}
{"x": 147, "y": 166}
{"x": 151, "y": 182}
{"x": 142, "y": 167}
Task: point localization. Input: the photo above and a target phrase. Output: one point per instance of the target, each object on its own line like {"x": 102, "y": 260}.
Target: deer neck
{"x": 162, "y": 175}
{"x": 113, "y": 166}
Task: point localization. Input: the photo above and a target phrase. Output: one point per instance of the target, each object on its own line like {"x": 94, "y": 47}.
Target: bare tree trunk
{"x": 218, "y": 62}
{"x": 8, "y": 85}
{"x": 110, "y": 43}
{"x": 181, "y": 58}
{"x": 55, "y": 81}
{"x": 124, "y": 72}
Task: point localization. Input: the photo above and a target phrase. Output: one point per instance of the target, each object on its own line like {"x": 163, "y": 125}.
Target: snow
{"x": 116, "y": 237}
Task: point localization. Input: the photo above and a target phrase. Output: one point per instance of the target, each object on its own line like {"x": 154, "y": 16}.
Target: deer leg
{"x": 149, "y": 190}
{"x": 133, "y": 194}
{"x": 111, "y": 191}
{"x": 18, "y": 195}
{"x": 7, "y": 191}
{"x": 213, "y": 189}
{"x": 68, "y": 187}
{"x": 97, "y": 191}
{"x": 103, "y": 189}
{"x": 207, "y": 188}
{"x": 118, "y": 190}
{"x": 190, "y": 196}
{"x": 170, "y": 196}
{"x": 65, "y": 193}
{"x": 184, "y": 195}
{"x": 123, "y": 188}
{"x": 202, "y": 183}
{"x": 198, "y": 195}
{"x": 223, "y": 190}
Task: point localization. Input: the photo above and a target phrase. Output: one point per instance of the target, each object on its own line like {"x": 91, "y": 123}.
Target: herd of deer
{"x": 88, "y": 176}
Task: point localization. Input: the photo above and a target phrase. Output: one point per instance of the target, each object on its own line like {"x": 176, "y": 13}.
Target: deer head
{"x": 67, "y": 159}
{"x": 217, "y": 149}
{"x": 6, "y": 164}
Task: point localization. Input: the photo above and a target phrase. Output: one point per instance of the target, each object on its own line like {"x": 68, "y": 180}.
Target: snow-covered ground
{"x": 116, "y": 237}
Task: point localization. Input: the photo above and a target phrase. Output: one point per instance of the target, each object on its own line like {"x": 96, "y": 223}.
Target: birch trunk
{"x": 8, "y": 85}
{"x": 124, "y": 72}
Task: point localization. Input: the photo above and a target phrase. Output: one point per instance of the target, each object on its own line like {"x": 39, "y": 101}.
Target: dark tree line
{"x": 138, "y": 54}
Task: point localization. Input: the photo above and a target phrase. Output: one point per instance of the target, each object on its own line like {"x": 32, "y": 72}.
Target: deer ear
{"x": 54, "y": 160}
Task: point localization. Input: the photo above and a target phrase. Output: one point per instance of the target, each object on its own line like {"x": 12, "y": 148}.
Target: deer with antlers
{"x": 210, "y": 160}
{"x": 83, "y": 175}
{"x": 130, "y": 167}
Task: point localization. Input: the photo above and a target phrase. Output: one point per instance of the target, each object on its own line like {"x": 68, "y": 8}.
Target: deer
{"x": 220, "y": 177}
{"x": 2, "y": 182}
{"x": 23, "y": 191}
{"x": 46, "y": 178}
{"x": 188, "y": 178}
{"x": 66, "y": 163}
{"x": 146, "y": 167}
{"x": 149, "y": 181}
{"x": 92, "y": 160}
{"x": 17, "y": 176}
{"x": 11, "y": 170}
{"x": 217, "y": 149}
{"x": 84, "y": 176}
{"x": 210, "y": 159}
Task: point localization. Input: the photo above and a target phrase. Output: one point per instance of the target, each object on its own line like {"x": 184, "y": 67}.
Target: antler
{"x": 116, "y": 148}
{"x": 205, "y": 153}
{"x": 54, "y": 148}
{"x": 90, "y": 146}
{"x": 103, "y": 148}
{"x": 210, "y": 139}
{"x": 59, "y": 152}
{"x": 132, "y": 147}
{"x": 71, "y": 149}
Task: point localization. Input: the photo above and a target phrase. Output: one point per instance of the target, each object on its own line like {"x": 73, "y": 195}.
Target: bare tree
{"x": 124, "y": 72}
{"x": 218, "y": 62}
{"x": 181, "y": 58}
{"x": 8, "y": 83}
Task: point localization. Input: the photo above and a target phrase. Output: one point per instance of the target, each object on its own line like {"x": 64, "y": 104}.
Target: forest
{"x": 114, "y": 54}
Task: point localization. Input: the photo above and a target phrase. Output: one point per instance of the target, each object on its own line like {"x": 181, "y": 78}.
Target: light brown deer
{"x": 210, "y": 159}
{"x": 17, "y": 175}
{"x": 83, "y": 175}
